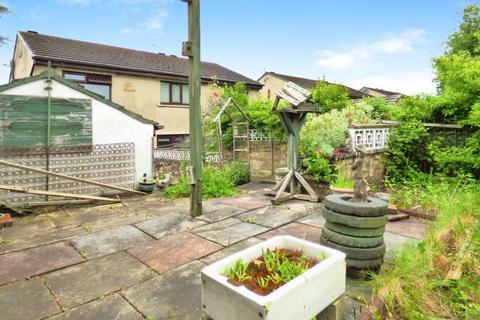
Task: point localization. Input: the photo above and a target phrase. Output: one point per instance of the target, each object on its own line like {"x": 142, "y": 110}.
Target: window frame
{"x": 170, "y": 102}
{"x": 88, "y": 81}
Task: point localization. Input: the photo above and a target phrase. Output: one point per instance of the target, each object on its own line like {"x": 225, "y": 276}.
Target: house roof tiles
{"x": 57, "y": 49}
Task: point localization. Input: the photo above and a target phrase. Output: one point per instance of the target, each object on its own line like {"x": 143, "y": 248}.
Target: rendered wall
{"x": 109, "y": 125}
{"x": 142, "y": 95}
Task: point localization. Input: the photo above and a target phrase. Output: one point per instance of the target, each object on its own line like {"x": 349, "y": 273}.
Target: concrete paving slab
{"x": 109, "y": 241}
{"x": 115, "y": 223}
{"x": 230, "y": 231}
{"x": 173, "y": 251}
{"x": 295, "y": 229}
{"x": 109, "y": 307}
{"x": 93, "y": 279}
{"x": 169, "y": 224}
{"x": 303, "y": 206}
{"x": 272, "y": 216}
{"x": 27, "y": 263}
{"x": 394, "y": 242}
{"x": 314, "y": 220}
{"x": 25, "y": 230}
{"x": 174, "y": 295}
{"x": 80, "y": 217}
{"x": 26, "y": 300}
{"x": 413, "y": 228}
{"x": 155, "y": 209}
{"x": 213, "y": 212}
{"x": 230, "y": 250}
{"x": 51, "y": 236}
{"x": 247, "y": 202}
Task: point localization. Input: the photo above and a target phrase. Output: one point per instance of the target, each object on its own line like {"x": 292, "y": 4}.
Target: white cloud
{"x": 155, "y": 22}
{"x": 360, "y": 53}
{"x": 336, "y": 61}
{"x": 405, "y": 82}
{"x": 126, "y": 31}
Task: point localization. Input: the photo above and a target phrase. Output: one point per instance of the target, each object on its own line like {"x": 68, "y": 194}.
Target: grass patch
{"x": 439, "y": 277}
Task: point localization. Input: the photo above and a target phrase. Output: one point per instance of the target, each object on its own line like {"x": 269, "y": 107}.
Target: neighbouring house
{"x": 78, "y": 118}
{"x": 273, "y": 82}
{"x": 154, "y": 85}
{"x": 389, "y": 96}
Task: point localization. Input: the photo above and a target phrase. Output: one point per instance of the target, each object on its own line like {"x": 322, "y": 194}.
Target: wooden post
{"x": 191, "y": 49}
{"x": 49, "y": 115}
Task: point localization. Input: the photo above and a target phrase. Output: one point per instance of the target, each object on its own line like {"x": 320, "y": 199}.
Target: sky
{"x": 385, "y": 44}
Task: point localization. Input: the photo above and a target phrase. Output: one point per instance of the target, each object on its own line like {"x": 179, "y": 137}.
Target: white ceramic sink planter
{"x": 301, "y": 298}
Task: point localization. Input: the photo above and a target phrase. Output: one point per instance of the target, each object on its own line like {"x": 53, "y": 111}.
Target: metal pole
{"x": 191, "y": 48}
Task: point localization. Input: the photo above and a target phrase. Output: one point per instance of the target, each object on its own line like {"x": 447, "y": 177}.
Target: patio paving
{"x": 105, "y": 242}
{"x": 35, "y": 261}
{"x": 230, "y": 231}
{"x": 271, "y": 216}
{"x": 172, "y": 295}
{"x": 173, "y": 251}
{"x": 110, "y": 307}
{"x": 93, "y": 279}
{"x": 295, "y": 229}
{"x": 142, "y": 258}
{"x": 168, "y": 224}
{"x": 26, "y": 300}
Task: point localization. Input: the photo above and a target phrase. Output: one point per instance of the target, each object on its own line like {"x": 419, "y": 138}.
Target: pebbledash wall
{"x": 109, "y": 125}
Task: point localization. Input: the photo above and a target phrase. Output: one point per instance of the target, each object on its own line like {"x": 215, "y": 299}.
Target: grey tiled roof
{"x": 56, "y": 49}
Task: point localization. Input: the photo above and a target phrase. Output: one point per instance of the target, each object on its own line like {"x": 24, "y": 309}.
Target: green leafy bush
{"x": 215, "y": 184}
{"x": 407, "y": 151}
{"x": 237, "y": 172}
{"x": 330, "y": 96}
{"x": 322, "y": 134}
{"x": 320, "y": 167}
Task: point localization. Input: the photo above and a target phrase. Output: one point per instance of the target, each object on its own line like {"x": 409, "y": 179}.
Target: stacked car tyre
{"x": 356, "y": 228}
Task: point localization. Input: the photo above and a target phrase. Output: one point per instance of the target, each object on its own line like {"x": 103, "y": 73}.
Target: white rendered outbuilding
{"x": 111, "y": 123}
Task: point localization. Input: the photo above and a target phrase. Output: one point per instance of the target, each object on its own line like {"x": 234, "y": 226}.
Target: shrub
{"x": 330, "y": 96}
{"x": 407, "y": 151}
{"x": 237, "y": 172}
{"x": 323, "y": 133}
{"x": 215, "y": 184}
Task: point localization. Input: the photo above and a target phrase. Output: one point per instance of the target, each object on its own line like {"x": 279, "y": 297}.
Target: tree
{"x": 3, "y": 10}
{"x": 467, "y": 38}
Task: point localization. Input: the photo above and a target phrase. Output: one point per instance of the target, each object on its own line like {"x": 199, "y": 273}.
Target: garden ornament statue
{"x": 355, "y": 224}
{"x": 360, "y": 185}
